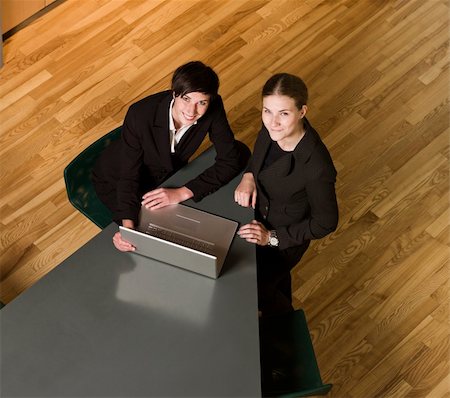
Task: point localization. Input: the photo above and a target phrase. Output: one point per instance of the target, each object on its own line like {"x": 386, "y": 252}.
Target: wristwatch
{"x": 273, "y": 239}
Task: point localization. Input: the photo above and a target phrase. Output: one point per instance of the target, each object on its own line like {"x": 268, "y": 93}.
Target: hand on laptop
{"x": 121, "y": 244}
{"x": 162, "y": 197}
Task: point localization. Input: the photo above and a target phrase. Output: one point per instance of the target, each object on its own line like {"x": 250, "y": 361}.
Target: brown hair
{"x": 289, "y": 85}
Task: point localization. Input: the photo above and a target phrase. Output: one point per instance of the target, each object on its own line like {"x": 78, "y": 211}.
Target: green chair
{"x": 288, "y": 364}
{"x": 77, "y": 176}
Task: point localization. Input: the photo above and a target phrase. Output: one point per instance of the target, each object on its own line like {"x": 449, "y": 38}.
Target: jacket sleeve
{"x": 231, "y": 156}
{"x": 323, "y": 218}
{"x": 131, "y": 156}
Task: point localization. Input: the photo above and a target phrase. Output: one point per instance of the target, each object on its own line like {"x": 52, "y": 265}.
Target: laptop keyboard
{"x": 180, "y": 239}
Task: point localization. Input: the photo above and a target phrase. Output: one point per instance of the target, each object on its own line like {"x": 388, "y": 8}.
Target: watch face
{"x": 273, "y": 241}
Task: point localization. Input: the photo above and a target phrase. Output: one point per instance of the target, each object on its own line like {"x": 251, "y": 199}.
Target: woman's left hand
{"x": 255, "y": 232}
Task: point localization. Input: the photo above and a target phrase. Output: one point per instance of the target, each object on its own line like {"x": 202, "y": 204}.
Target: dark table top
{"x": 110, "y": 324}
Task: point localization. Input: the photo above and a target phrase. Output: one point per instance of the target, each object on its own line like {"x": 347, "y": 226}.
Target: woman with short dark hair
{"x": 159, "y": 135}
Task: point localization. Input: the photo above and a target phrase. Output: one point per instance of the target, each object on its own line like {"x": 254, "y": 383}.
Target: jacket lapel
{"x": 306, "y": 146}
{"x": 260, "y": 154}
{"x": 161, "y": 131}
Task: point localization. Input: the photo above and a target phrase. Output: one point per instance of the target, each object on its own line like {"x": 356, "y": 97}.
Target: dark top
{"x": 273, "y": 154}
{"x": 296, "y": 193}
{"x": 141, "y": 159}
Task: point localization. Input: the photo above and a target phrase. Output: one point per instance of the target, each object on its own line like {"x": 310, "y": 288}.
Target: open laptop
{"x": 183, "y": 236}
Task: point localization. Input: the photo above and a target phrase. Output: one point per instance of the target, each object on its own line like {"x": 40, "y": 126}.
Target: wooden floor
{"x": 376, "y": 291}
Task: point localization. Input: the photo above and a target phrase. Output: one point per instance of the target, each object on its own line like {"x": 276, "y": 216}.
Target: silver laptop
{"x": 183, "y": 236}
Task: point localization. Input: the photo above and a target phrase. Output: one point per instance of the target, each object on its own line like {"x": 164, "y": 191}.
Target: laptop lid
{"x": 183, "y": 236}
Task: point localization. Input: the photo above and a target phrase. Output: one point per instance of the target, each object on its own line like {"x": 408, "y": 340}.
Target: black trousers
{"x": 274, "y": 277}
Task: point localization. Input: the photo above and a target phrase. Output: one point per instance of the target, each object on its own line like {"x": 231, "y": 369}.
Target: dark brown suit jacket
{"x": 296, "y": 194}
{"x": 141, "y": 159}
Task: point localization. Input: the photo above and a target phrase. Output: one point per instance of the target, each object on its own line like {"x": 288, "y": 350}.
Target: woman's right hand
{"x": 121, "y": 244}
{"x": 245, "y": 193}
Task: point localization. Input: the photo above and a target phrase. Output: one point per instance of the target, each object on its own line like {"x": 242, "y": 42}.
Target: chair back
{"x": 78, "y": 180}
{"x": 288, "y": 363}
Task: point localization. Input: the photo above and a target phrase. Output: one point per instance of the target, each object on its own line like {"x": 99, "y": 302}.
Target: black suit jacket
{"x": 296, "y": 194}
{"x": 141, "y": 159}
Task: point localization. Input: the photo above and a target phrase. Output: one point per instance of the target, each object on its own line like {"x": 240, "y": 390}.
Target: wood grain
{"x": 376, "y": 291}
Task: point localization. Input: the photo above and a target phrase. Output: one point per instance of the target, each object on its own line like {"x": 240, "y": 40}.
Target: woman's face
{"x": 282, "y": 119}
{"x": 189, "y": 108}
